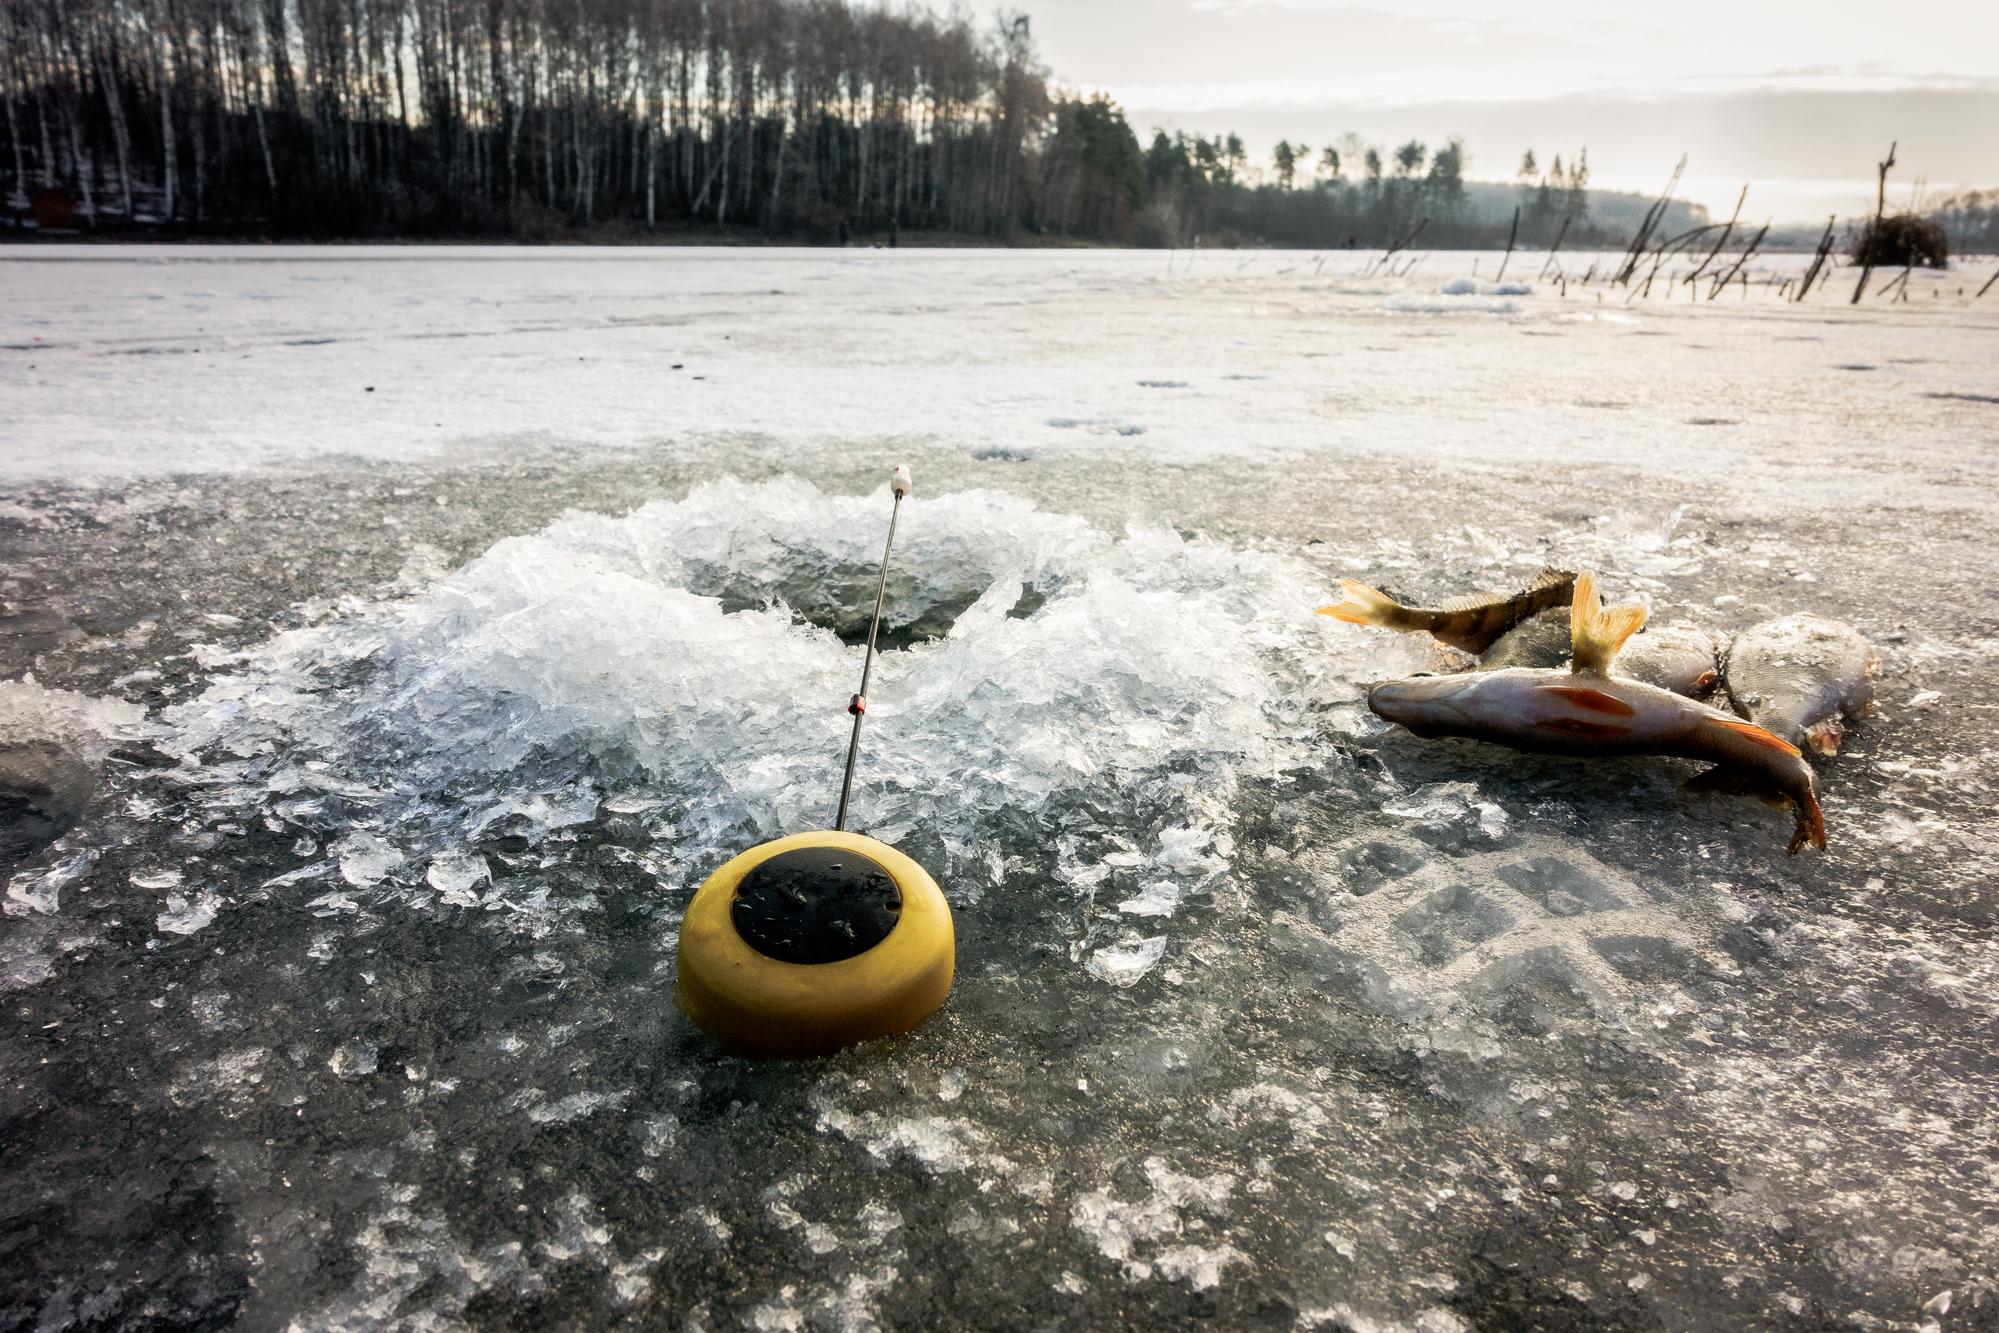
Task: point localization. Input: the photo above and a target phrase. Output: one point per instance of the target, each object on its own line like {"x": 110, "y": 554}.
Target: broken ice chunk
{"x": 1158, "y": 899}
{"x": 365, "y": 859}
{"x": 186, "y": 915}
{"x": 456, "y": 874}
{"x": 354, "y": 1059}
{"x": 41, "y": 891}
{"x": 1449, "y": 804}
{"x": 303, "y": 873}
{"x": 1124, "y": 965}
{"x": 1200, "y": 1266}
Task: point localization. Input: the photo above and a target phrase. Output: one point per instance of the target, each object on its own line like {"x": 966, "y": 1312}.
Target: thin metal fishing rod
{"x": 901, "y": 485}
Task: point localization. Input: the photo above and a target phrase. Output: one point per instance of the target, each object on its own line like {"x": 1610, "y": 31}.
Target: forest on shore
{"x": 632, "y": 120}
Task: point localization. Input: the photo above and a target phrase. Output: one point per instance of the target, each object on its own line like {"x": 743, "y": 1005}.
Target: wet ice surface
{"x": 353, "y": 803}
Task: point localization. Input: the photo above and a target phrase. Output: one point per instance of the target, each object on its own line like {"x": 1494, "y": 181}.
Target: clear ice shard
{"x": 1451, "y": 805}
{"x": 1124, "y": 965}
{"x": 184, "y": 915}
{"x": 41, "y": 890}
{"x": 366, "y": 859}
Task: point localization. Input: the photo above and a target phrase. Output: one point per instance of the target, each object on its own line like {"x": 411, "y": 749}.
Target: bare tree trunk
{"x": 82, "y": 170}
{"x": 720, "y": 159}
{"x": 121, "y": 133}
{"x": 722, "y": 195}
{"x": 776, "y": 183}
{"x": 48, "y": 147}
{"x": 264, "y": 145}
{"x": 14, "y": 137}
{"x": 170, "y": 168}
{"x": 749, "y": 151}
{"x": 652, "y": 171}
{"x": 1511, "y": 233}
{"x": 200, "y": 167}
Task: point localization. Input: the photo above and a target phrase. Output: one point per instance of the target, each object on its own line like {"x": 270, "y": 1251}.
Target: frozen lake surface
{"x": 391, "y": 639}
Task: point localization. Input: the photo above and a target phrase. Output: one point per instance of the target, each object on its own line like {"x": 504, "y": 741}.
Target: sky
{"x": 1799, "y": 100}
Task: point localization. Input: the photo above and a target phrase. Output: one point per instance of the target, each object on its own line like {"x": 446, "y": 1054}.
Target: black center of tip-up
{"x": 816, "y": 905}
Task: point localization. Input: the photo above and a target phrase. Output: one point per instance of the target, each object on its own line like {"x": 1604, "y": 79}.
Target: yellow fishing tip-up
{"x": 814, "y": 942}
{"x": 810, "y": 943}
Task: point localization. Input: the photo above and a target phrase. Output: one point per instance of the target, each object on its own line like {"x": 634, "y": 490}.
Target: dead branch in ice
{"x": 1748, "y": 253}
{"x": 1727, "y": 229}
{"x": 1553, "y": 249}
{"x": 1653, "y": 217}
{"x": 1512, "y": 234}
{"x": 1818, "y": 259}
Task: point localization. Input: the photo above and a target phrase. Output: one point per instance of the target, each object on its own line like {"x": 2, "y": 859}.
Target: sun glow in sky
{"x": 1799, "y": 99}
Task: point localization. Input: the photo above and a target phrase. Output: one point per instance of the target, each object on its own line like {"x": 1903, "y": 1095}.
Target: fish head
{"x": 1428, "y": 705}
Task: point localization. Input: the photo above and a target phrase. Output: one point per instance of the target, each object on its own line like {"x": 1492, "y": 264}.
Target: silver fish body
{"x": 1802, "y": 677}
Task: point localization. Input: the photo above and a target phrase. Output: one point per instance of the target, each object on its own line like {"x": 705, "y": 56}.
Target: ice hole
{"x": 785, "y": 544}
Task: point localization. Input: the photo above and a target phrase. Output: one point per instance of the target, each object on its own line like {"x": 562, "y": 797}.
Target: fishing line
{"x": 901, "y": 486}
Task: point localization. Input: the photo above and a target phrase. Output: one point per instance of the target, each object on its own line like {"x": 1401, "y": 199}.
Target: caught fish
{"x": 1680, "y": 658}
{"x": 1803, "y": 678}
{"x": 1586, "y": 711}
{"x": 1471, "y": 623}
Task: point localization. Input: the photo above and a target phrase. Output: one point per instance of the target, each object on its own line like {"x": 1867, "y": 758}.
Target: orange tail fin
{"x": 1596, "y": 631}
{"x": 1811, "y": 822}
{"x": 1361, "y": 605}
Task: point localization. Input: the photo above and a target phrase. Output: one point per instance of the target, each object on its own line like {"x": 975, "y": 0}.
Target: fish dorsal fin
{"x": 1597, "y": 631}
{"x": 1471, "y": 601}
{"x": 1550, "y": 577}
{"x": 1548, "y": 580}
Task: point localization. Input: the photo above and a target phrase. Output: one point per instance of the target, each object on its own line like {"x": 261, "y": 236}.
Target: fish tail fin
{"x": 1803, "y": 800}
{"x": 1360, "y": 604}
{"x": 1811, "y": 820}
{"x": 1597, "y": 631}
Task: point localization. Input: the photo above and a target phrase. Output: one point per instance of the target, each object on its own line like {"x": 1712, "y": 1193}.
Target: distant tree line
{"x": 1970, "y": 220}
{"x": 1347, "y": 192}
{"x": 545, "y": 118}
{"x": 425, "y": 116}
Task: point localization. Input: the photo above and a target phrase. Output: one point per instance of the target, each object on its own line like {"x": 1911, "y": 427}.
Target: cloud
{"x": 1800, "y": 91}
